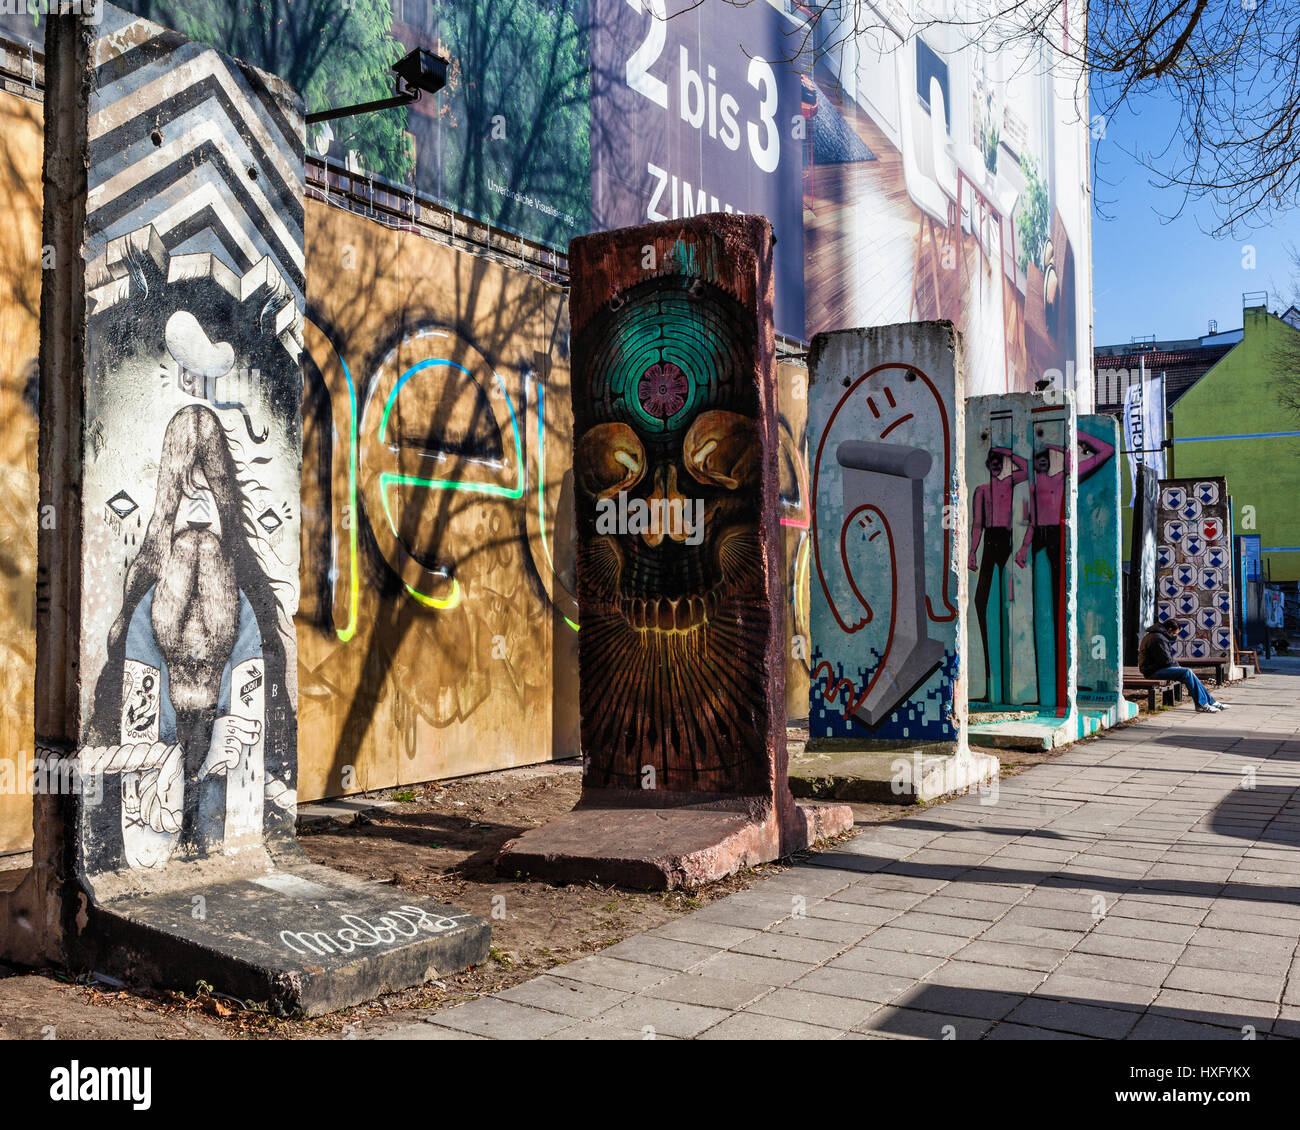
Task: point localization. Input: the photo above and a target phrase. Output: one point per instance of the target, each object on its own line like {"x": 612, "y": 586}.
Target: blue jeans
{"x": 1187, "y": 677}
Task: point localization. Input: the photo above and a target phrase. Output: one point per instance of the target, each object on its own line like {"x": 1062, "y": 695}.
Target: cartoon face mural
{"x": 1193, "y": 567}
{"x": 884, "y": 420}
{"x": 1022, "y": 462}
{"x": 672, "y": 466}
{"x": 1100, "y": 649}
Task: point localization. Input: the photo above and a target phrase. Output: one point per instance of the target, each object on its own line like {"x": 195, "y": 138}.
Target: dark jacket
{"x": 1153, "y": 654}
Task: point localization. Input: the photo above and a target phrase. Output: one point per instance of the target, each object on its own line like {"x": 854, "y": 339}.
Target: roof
{"x": 1182, "y": 368}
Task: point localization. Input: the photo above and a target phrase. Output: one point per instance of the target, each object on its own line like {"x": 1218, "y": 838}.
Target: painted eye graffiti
{"x": 609, "y": 458}
{"x": 721, "y": 448}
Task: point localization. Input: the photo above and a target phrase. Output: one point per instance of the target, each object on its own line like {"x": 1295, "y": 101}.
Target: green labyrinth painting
{"x": 677, "y": 621}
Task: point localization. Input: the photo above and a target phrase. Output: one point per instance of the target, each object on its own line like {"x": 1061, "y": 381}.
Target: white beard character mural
{"x": 193, "y": 688}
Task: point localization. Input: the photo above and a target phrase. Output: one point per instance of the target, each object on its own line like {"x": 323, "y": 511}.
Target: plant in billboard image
{"x": 1033, "y": 216}
{"x": 990, "y": 129}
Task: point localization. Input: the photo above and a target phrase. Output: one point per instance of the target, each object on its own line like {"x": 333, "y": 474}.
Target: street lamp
{"x": 420, "y": 72}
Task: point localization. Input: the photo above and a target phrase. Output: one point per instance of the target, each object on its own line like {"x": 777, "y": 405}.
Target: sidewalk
{"x": 1142, "y": 886}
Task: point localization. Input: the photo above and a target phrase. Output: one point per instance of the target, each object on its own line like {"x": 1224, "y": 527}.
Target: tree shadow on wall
{"x": 439, "y": 655}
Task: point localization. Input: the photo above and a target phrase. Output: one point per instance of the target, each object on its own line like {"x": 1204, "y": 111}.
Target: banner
{"x": 694, "y": 108}
{"x": 1144, "y": 426}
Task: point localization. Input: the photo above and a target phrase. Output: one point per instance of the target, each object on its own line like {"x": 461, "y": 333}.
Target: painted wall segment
{"x": 885, "y": 425}
{"x": 1022, "y": 468}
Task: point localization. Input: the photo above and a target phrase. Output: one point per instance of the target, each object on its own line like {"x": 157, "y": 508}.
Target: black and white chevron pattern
{"x": 206, "y": 151}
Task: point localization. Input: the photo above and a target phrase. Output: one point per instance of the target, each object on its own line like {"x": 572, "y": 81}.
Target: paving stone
{"x": 1149, "y": 910}
{"x": 1122, "y": 969}
{"x": 810, "y": 951}
{"x": 997, "y": 978}
{"x": 1079, "y": 921}
{"x": 420, "y": 1030}
{"x": 1110, "y": 994}
{"x": 823, "y": 929}
{"x": 964, "y": 928}
{"x": 959, "y": 1000}
{"x": 1277, "y": 945}
{"x": 1207, "y": 1008}
{"x": 501, "y": 1020}
{"x": 748, "y": 967}
{"x": 1142, "y": 949}
{"x": 916, "y": 941}
{"x": 715, "y": 992}
{"x": 646, "y": 949}
{"x": 1005, "y": 1031}
{"x": 746, "y": 915}
{"x": 1234, "y": 960}
{"x": 1251, "y": 986}
{"x": 867, "y": 959}
{"x": 981, "y": 910}
{"x": 756, "y": 1026}
{"x": 569, "y": 998}
{"x": 913, "y": 1024}
{"x": 856, "y": 984}
{"x": 1155, "y": 931}
{"x": 1017, "y": 933}
{"x": 815, "y": 1008}
{"x": 611, "y": 973}
{"x": 1073, "y": 1016}
{"x": 1011, "y": 956}
{"x": 884, "y": 900}
{"x": 1155, "y": 1026}
{"x": 713, "y": 934}
{"x": 858, "y": 913}
{"x": 666, "y": 1017}
{"x": 600, "y": 1028}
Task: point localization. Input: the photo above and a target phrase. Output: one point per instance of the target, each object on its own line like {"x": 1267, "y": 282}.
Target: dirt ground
{"x": 438, "y": 840}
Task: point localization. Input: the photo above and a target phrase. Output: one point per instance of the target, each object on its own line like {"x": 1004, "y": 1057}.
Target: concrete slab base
{"x": 1042, "y": 731}
{"x": 665, "y": 848}
{"x": 888, "y": 775}
{"x": 1110, "y": 713}
{"x": 299, "y": 937}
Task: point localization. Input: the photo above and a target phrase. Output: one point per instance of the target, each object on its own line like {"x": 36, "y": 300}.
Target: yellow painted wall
{"x": 20, "y": 284}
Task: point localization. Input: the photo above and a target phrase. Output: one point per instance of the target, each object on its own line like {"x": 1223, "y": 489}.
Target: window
{"x": 928, "y": 66}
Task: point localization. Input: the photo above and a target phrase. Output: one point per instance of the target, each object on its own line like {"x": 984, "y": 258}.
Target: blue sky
{"x": 1169, "y": 279}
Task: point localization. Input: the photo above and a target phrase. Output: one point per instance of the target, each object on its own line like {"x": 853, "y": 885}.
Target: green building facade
{"x": 1233, "y": 422}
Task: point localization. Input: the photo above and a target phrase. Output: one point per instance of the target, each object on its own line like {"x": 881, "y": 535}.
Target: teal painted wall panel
{"x": 1100, "y": 651}
{"x": 1022, "y": 483}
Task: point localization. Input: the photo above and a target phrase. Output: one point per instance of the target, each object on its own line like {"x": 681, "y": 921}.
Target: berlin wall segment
{"x": 681, "y": 648}
{"x": 888, "y": 691}
{"x": 168, "y": 579}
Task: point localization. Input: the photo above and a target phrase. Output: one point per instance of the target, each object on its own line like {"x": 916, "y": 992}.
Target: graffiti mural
{"x": 20, "y": 282}
{"x": 190, "y": 492}
{"x": 1194, "y": 567}
{"x": 437, "y": 631}
{"x": 1100, "y": 647}
{"x": 885, "y": 430}
{"x": 675, "y": 418}
{"x": 1022, "y": 468}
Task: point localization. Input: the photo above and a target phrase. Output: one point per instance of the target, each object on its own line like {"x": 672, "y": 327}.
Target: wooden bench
{"x": 1169, "y": 690}
{"x": 1221, "y": 668}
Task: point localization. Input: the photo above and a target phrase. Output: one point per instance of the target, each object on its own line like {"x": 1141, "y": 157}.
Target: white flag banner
{"x": 1144, "y": 426}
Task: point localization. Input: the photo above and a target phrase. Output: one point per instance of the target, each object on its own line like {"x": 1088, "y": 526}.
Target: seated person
{"x": 1155, "y": 662}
